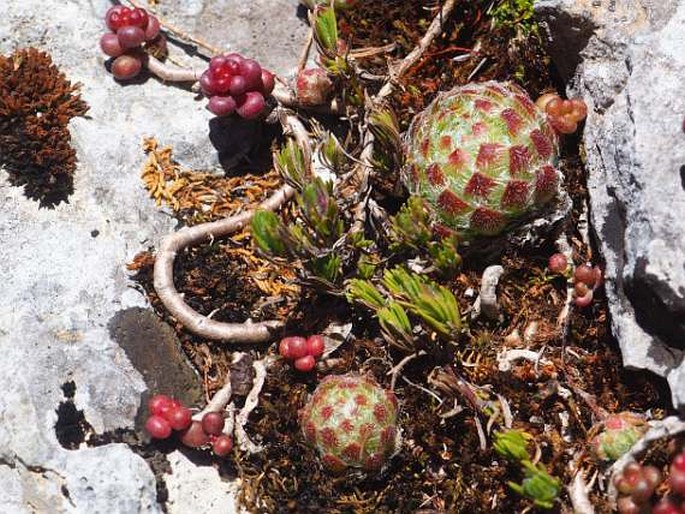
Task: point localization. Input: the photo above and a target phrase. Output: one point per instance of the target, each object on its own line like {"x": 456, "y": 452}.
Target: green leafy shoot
{"x": 385, "y": 128}
{"x": 267, "y": 232}
{"x": 513, "y": 444}
{"x": 433, "y": 303}
{"x": 332, "y": 154}
{"x": 410, "y": 227}
{"x": 327, "y": 267}
{"x": 364, "y": 292}
{"x": 320, "y": 212}
{"x": 396, "y": 327}
{"x": 366, "y": 266}
{"x": 322, "y": 19}
{"x": 538, "y": 486}
{"x": 292, "y": 164}
{"x": 445, "y": 257}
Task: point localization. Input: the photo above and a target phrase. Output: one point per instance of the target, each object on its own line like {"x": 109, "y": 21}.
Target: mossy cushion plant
{"x": 482, "y": 156}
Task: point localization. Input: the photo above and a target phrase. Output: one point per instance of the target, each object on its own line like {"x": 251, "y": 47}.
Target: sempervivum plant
{"x": 617, "y": 434}
{"x": 352, "y": 421}
{"x": 481, "y": 155}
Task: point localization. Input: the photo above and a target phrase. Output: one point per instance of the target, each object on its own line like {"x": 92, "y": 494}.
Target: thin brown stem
{"x": 171, "y": 74}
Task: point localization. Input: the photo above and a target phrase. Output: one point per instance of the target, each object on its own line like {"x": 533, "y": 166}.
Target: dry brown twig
{"x": 171, "y": 245}
{"x": 179, "y": 33}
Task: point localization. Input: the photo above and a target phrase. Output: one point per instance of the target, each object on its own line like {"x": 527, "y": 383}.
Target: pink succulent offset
{"x": 482, "y": 156}
{"x": 313, "y": 87}
{"x": 352, "y": 421}
{"x": 618, "y": 433}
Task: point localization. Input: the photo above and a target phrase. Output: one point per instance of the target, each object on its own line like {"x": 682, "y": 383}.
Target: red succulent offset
{"x": 313, "y": 87}
{"x": 235, "y": 84}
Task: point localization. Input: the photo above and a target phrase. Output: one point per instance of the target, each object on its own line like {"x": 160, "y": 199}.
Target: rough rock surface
{"x": 627, "y": 60}
{"x": 64, "y": 269}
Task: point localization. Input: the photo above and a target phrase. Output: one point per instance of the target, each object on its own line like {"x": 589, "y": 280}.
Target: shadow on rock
{"x": 242, "y": 145}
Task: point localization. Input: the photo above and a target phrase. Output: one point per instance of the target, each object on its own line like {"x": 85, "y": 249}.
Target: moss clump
{"x": 36, "y": 104}
{"x": 515, "y": 13}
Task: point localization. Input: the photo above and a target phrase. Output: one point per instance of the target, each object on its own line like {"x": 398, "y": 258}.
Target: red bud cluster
{"x": 564, "y": 115}
{"x": 236, "y": 84}
{"x": 130, "y": 30}
{"x": 168, "y": 414}
{"x": 302, "y": 352}
{"x": 586, "y": 279}
{"x": 637, "y": 484}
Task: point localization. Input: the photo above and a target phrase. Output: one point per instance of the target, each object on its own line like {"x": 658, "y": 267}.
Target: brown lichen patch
{"x": 36, "y": 104}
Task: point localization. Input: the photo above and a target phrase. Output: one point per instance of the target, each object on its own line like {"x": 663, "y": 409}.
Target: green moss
{"x": 515, "y": 13}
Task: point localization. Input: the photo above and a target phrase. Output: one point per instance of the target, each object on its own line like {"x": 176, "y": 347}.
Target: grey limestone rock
{"x": 63, "y": 269}
{"x": 627, "y": 60}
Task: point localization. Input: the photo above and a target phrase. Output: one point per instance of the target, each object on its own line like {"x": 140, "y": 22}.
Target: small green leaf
{"x": 332, "y": 154}
{"x": 513, "y": 444}
{"x": 267, "y": 232}
{"x": 396, "y": 327}
{"x": 538, "y": 485}
{"x": 365, "y": 292}
{"x": 410, "y": 227}
{"x": 385, "y": 127}
{"x": 322, "y": 19}
{"x": 291, "y": 164}
{"x": 327, "y": 267}
{"x": 320, "y": 212}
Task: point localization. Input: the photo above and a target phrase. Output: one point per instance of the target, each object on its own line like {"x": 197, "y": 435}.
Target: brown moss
{"x": 36, "y": 104}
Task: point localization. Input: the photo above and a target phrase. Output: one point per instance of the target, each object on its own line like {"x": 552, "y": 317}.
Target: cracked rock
{"x": 627, "y": 60}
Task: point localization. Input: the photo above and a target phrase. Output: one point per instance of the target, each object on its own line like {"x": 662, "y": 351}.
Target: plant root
{"x": 171, "y": 245}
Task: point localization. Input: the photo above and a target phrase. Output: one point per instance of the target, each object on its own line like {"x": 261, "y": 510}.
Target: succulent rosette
{"x": 617, "y": 434}
{"x": 482, "y": 156}
{"x": 352, "y": 422}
